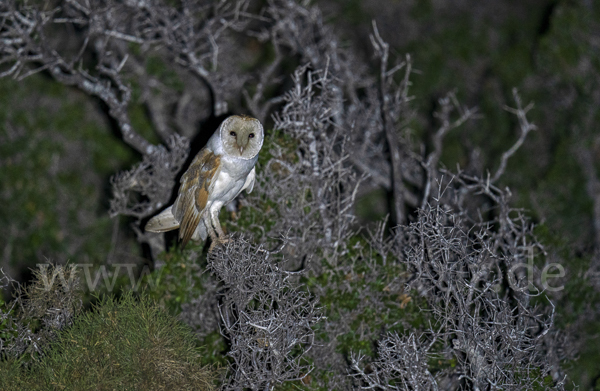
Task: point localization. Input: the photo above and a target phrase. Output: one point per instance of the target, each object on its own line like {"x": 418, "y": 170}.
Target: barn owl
{"x": 218, "y": 174}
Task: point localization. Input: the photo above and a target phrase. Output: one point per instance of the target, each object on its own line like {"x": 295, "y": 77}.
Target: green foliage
{"x": 120, "y": 345}
{"x": 362, "y": 295}
{"x": 178, "y": 280}
{"x": 55, "y": 159}
{"x": 6, "y": 332}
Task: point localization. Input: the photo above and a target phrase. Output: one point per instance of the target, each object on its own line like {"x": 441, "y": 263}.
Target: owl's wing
{"x": 196, "y": 184}
{"x": 249, "y": 184}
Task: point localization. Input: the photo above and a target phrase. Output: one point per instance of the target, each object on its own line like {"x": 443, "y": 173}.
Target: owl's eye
{"x": 251, "y": 135}
{"x": 233, "y": 134}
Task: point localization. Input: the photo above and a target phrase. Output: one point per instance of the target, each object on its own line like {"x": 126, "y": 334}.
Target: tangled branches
{"x": 267, "y": 318}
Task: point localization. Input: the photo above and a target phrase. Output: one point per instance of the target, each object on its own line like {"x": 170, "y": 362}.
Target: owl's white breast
{"x": 231, "y": 178}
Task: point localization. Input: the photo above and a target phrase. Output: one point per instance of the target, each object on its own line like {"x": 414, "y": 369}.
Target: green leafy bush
{"x": 128, "y": 344}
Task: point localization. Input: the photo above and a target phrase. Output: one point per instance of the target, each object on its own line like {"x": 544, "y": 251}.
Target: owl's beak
{"x": 242, "y": 144}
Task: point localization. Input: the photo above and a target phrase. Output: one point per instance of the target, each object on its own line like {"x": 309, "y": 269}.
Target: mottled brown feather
{"x": 195, "y": 187}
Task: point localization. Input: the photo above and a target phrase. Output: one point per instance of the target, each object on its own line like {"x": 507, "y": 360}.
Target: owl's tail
{"x": 162, "y": 222}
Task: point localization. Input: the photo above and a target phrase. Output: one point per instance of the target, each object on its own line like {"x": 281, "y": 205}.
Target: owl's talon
{"x": 221, "y": 241}
{"x": 211, "y": 247}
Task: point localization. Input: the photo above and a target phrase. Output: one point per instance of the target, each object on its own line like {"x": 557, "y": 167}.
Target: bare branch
{"x": 401, "y": 360}
{"x": 267, "y": 318}
{"x": 390, "y": 118}
{"x": 525, "y": 128}
{"x": 448, "y": 105}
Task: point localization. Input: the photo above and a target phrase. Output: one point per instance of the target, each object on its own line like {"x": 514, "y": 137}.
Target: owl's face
{"x": 242, "y": 136}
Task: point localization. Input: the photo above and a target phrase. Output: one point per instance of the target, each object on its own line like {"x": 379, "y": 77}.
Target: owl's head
{"x": 242, "y": 136}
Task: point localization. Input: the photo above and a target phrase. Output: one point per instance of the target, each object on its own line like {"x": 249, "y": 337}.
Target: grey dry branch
{"x": 495, "y": 335}
{"x": 448, "y": 105}
{"x": 300, "y": 31}
{"x": 28, "y": 46}
{"x": 38, "y": 37}
{"x": 153, "y": 178}
{"x": 315, "y": 192}
{"x": 52, "y": 299}
{"x": 393, "y": 106}
{"x": 480, "y": 316}
{"x": 191, "y": 36}
{"x": 7, "y": 318}
{"x": 402, "y": 364}
{"x": 524, "y": 126}
{"x": 267, "y": 318}
{"x": 335, "y": 128}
